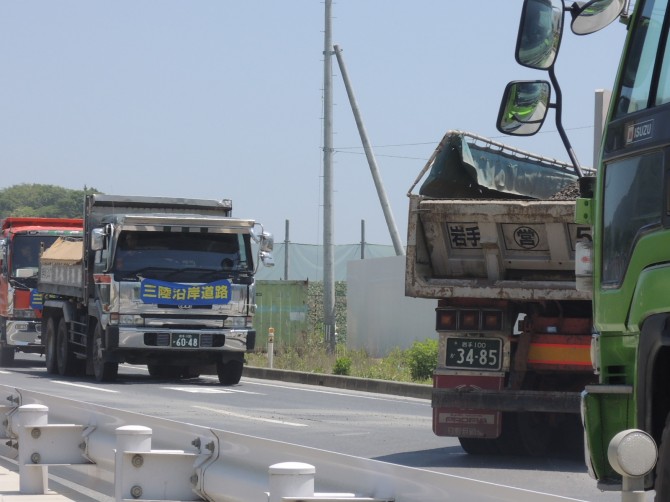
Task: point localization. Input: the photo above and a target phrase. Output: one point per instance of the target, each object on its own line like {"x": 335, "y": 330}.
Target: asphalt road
{"x": 384, "y": 427}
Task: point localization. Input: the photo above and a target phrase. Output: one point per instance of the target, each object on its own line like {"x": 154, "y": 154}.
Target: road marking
{"x": 92, "y": 387}
{"x": 201, "y": 390}
{"x": 248, "y": 417}
{"x": 210, "y": 390}
{"x": 5, "y": 372}
{"x": 360, "y": 394}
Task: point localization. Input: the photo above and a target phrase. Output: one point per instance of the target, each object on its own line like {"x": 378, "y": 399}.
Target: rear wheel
{"x": 536, "y": 432}
{"x": 6, "y": 355}
{"x": 229, "y": 372}
{"x": 66, "y": 360}
{"x": 50, "y": 347}
{"x": 479, "y": 446}
{"x": 6, "y": 351}
{"x": 103, "y": 371}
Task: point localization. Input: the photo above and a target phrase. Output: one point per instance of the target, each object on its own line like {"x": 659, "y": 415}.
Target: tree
{"x": 42, "y": 201}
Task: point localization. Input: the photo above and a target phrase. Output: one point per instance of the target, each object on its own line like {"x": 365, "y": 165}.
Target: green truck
{"x": 626, "y": 261}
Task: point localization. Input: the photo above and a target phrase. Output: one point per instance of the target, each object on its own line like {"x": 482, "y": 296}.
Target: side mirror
{"x": 98, "y": 239}
{"x": 524, "y": 107}
{"x": 267, "y": 242}
{"x": 594, "y": 15}
{"x": 540, "y": 32}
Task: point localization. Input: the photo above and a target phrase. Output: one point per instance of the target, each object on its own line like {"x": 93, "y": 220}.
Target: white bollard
{"x": 32, "y": 478}
{"x": 271, "y": 347}
{"x": 632, "y": 453}
{"x": 291, "y": 479}
{"x": 128, "y": 438}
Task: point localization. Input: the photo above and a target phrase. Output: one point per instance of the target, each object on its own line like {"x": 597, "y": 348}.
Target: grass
{"x": 311, "y": 355}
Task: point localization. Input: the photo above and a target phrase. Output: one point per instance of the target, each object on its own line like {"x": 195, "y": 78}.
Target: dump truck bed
{"x": 483, "y": 226}
{"x": 61, "y": 268}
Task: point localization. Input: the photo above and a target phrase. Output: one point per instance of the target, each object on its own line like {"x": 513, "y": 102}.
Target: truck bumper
{"x": 24, "y": 333}
{"x": 508, "y": 400}
{"x": 227, "y": 340}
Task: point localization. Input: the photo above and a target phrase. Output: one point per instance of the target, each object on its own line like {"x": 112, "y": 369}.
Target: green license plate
{"x": 474, "y": 353}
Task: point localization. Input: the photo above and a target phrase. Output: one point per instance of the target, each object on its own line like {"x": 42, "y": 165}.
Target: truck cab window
{"x": 638, "y": 70}
{"x": 629, "y": 207}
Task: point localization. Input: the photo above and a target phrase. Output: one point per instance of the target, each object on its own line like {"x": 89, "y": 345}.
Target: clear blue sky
{"x": 222, "y": 99}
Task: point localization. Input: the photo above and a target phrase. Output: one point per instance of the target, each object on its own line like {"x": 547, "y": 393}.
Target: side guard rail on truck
{"x": 138, "y": 457}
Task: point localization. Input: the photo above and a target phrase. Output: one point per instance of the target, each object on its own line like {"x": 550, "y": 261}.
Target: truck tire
{"x": 662, "y": 484}
{"x": 65, "y": 358}
{"x": 50, "y": 347}
{"x": 229, "y": 372}
{"x": 6, "y": 351}
{"x": 479, "y": 446}
{"x": 536, "y": 432}
{"x": 102, "y": 370}
{"x": 164, "y": 371}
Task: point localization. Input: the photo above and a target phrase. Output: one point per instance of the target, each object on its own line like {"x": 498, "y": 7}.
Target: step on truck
{"x": 626, "y": 413}
{"x": 165, "y": 282}
{"x": 490, "y": 238}
{"x": 21, "y": 241}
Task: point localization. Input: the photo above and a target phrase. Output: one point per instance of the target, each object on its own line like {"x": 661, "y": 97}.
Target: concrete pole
{"x": 286, "y": 243}
{"x": 328, "y": 245}
{"x": 372, "y": 162}
{"x": 362, "y": 239}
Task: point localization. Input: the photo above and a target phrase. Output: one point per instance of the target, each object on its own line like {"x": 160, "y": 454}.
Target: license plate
{"x": 474, "y": 353}
{"x": 185, "y": 340}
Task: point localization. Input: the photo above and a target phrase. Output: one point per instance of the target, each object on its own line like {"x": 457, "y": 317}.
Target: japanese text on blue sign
{"x": 171, "y": 293}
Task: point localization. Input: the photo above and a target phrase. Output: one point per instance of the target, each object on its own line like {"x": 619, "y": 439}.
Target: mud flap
{"x": 465, "y": 423}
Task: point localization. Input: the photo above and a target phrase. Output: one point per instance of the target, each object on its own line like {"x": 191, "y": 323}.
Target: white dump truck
{"x": 490, "y": 238}
{"x": 165, "y": 282}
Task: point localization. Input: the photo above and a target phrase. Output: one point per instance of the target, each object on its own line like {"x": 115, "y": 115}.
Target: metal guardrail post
{"x": 32, "y": 478}
{"x": 129, "y": 438}
{"x": 291, "y": 479}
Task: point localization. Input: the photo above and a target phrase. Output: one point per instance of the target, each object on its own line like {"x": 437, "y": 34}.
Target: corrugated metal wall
{"x": 281, "y": 305}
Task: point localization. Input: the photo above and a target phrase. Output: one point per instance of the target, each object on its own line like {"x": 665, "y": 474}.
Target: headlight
{"x": 126, "y": 319}
{"x": 24, "y": 314}
{"x": 237, "y": 322}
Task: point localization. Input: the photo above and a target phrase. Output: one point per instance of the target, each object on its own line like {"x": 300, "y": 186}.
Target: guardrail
{"x": 130, "y": 456}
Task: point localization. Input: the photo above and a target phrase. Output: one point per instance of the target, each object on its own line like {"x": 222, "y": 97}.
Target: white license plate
{"x": 185, "y": 340}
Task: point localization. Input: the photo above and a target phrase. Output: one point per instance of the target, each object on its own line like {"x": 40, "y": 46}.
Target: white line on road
{"x": 359, "y": 394}
{"x": 210, "y": 390}
{"x": 92, "y": 387}
{"x": 248, "y": 417}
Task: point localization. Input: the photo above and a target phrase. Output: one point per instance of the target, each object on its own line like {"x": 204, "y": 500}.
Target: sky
{"x": 221, "y": 99}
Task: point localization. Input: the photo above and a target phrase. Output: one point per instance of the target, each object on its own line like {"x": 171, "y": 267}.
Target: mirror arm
{"x": 559, "y": 122}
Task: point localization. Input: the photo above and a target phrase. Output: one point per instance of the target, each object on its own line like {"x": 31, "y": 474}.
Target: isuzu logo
{"x": 639, "y": 132}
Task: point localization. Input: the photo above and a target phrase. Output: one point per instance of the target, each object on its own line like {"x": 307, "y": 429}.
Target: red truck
{"x": 21, "y": 242}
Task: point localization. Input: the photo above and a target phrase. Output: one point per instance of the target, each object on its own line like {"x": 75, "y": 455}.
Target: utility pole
{"x": 328, "y": 248}
{"x": 372, "y": 162}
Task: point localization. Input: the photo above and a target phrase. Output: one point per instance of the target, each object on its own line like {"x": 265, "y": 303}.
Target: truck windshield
{"x": 25, "y": 253}
{"x": 172, "y": 256}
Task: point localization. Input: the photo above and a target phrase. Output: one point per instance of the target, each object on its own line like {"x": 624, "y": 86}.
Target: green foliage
{"x": 47, "y": 201}
{"x": 342, "y": 366}
{"x": 310, "y": 355}
{"x": 422, "y": 359}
